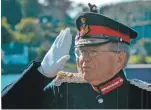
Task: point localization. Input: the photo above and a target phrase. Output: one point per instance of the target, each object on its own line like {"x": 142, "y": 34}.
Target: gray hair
{"x": 121, "y": 47}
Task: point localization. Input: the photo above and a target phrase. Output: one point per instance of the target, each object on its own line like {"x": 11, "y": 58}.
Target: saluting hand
{"x": 58, "y": 54}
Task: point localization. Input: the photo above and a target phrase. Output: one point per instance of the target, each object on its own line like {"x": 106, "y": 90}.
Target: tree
{"x": 42, "y": 50}
{"x": 7, "y": 33}
{"x": 28, "y": 31}
{"x": 57, "y": 8}
{"x": 30, "y": 8}
{"x": 146, "y": 43}
{"x": 12, "y": 11}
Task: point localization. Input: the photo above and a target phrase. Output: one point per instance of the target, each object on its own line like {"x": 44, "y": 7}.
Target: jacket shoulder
{"x": 140, "y": 84}
{"x": 66, "y": 80}
{"x": 139, "y": 94}
{"x": 66, "y": 77}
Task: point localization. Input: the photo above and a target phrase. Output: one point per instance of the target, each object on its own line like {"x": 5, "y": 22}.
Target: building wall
{"x": 143, "y": 73}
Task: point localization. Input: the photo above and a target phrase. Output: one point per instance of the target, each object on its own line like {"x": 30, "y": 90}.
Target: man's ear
{"x": 78, "y": 64}
{"x": 77, "y": 61}
{"x": 121, "y": 59}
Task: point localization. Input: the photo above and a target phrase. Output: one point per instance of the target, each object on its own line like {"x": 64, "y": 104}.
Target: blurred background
{"x": 29, "y": 27}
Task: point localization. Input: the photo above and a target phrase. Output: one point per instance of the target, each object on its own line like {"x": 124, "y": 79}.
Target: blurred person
{"x": 102, "y": 49}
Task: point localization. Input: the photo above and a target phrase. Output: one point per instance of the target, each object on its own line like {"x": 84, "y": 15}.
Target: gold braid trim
{"x": 69, "y": 78}
{"x": 141, "y": 84}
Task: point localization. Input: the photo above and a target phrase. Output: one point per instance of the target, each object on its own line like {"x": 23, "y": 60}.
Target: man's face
{"x": 97, "y": 68}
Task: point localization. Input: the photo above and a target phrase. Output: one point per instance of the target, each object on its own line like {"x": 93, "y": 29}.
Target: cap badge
{"x": 84, "y": 28}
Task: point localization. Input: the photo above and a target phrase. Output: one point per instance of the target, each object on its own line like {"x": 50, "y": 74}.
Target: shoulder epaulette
{"x": 141, "y": 84}
{"x": 69, "y": 78}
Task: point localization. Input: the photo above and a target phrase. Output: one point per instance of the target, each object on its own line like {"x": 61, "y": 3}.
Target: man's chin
{"x": 85, "y": 74}
{"x": 87, "y": 77}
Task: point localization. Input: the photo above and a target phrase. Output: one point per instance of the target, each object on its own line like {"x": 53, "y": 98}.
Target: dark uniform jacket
{"x": 30, "y": 91}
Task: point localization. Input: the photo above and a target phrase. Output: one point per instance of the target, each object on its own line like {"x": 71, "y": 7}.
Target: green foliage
{"x": 30, "y": 8}
{"x": 42, "y": 50}
{"x": 140, "y": 59}
{"x": 71, "y": 67}
{"x": 7, "y": 34}
{"x": 60, "y": 27}
{"x": 134, "y": 59}
{"x": 146, "y": 43}
{"x": 148, "y": 59}
{"x": 47, "y": 27}
{"x": 28, "y": 31}
{"x": 73, "y": 29}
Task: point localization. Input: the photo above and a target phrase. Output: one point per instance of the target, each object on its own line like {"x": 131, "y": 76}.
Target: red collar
{"x": 109, "y": 86}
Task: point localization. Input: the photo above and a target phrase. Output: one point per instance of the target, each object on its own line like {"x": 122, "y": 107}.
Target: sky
{"x": 101, "y": 2}
{"x": 73, "y": 13}
{"x": 97, "y": 2}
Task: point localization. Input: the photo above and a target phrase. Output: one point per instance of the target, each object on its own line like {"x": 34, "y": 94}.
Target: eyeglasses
{"x": 92, "y": 53}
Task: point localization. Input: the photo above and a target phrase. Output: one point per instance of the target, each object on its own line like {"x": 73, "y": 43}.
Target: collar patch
{"x": 115, "y": 83}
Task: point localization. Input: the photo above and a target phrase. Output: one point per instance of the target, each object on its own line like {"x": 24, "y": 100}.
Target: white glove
{"x": 58, "y": 54}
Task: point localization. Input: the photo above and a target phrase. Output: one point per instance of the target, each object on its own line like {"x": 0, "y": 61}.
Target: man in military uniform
{"x": 102, "y": 51}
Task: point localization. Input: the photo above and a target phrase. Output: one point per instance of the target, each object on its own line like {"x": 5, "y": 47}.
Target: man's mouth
{"x": 86, "y": 68}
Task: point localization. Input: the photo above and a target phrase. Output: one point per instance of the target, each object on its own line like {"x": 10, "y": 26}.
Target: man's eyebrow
{"x": 95, "y": 48}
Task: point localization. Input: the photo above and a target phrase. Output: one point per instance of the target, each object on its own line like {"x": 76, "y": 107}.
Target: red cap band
{"x": 102, "y": 30}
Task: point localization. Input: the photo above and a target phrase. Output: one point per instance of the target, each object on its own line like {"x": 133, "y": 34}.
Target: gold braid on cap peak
{"x": 69, "y": 78}
{"x": 93, "y": 8}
